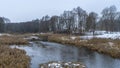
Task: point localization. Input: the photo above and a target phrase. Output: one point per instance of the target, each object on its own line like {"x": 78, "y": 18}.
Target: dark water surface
{"x": 47, "y": 51}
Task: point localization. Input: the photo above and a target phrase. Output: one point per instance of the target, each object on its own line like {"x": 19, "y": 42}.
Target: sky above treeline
{"x": 26, "y": 10}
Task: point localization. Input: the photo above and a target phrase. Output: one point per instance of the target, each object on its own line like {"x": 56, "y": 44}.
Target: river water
{"x": 43, "y": 52}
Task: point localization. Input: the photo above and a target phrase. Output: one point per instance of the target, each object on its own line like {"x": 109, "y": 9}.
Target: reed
{"x": 12, "y": 40}
{"x": 13, "y": 58}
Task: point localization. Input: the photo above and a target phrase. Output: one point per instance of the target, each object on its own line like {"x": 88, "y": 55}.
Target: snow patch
{"x": 73, "y": 38}
{"x": 103, "y": 34}
{"x": 111, "y": 36}
{"x": 1, "y": 34}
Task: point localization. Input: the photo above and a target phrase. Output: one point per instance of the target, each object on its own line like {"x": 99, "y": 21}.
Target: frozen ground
{"x": 114, "y": 35}
{"x": 102, "y": 34}
{"x": 1, "y": 34}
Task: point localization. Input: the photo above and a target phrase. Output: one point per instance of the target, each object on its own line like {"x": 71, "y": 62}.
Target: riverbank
{"x": 102, "y": 45}
{"x": 13, "y": 57}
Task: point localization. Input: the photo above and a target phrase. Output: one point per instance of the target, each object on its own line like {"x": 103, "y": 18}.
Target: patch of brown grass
{"x": 61, "y": 39}
{"x": 13, "y": 58}
{"x": 104, "y": 46}
{"x": 11, "y": 40}
{"x": 98, "y": 41}
{"x": 117, "y": 42}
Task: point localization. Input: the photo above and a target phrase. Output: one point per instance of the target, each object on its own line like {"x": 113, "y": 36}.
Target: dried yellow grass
{"x": 13, "y": 58}
{"x": 11, "y": 40}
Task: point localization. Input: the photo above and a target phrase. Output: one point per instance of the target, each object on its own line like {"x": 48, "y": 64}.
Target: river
{"x": 43, "y": 52}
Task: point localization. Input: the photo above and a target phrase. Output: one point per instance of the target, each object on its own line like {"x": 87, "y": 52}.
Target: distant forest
{"x": 76, "y": 21}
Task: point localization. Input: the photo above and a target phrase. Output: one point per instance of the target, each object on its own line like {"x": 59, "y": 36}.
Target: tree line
{"x": 76, "y": 21}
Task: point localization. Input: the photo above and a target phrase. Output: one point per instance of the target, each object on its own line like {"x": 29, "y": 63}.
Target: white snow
{"x": 1, "y": 34}
{"x": 96, "y": 33}
{"x": 112, "y": 36}
{"x": 73, "y": 38}
{"x": 103, "y": 34}
{"x": 63, "y": 38}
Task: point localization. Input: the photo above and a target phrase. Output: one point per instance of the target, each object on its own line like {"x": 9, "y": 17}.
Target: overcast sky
{"x": 26, "y": 10}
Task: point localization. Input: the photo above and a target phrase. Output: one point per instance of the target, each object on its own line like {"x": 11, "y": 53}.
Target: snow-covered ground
{"x": 102, "y": 34}
{"x": 73, "y": 37}
{"x": 111, "y": 35}
{"x": 1, "y": 34}
{"x": 96, "y": 33}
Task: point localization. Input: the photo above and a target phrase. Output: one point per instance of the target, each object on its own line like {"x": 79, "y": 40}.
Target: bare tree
{"x": 82, "y": 15}
{"x": 2, "y": 24}
{"x": 108, "y": 18}
{"x": 91, "y": 22}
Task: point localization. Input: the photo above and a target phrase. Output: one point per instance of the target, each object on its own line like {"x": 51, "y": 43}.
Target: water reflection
{"x": 42, "y": 52}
